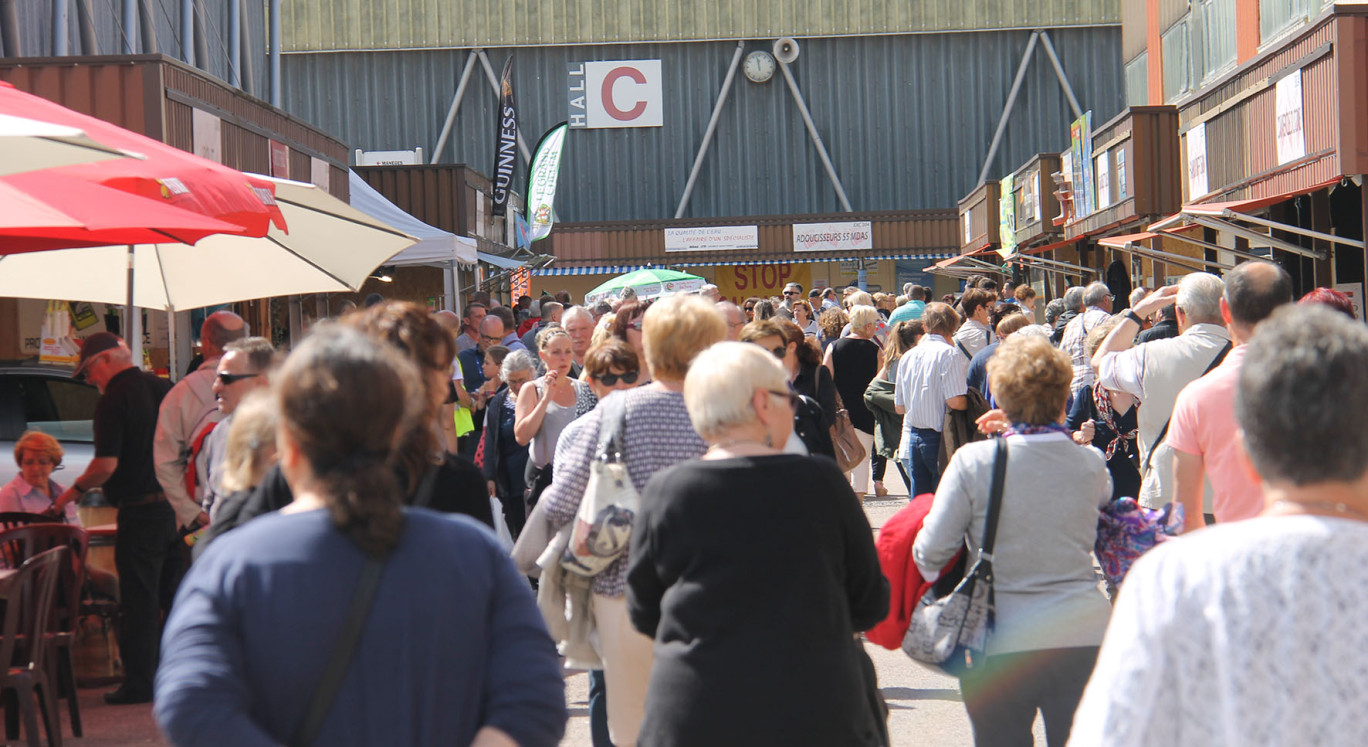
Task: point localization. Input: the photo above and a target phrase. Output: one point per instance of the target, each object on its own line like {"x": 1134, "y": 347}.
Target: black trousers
{"x": 1003, "y": 694}
{"x": 150, "y": 557}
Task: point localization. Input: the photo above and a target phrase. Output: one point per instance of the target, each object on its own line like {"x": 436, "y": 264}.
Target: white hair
{"x": 1095, "y": 293}
{"x": 1199, "y": 296}
{"x": 576, "y": 311}
{"x": 862, "y": 315}
{"x": 721, "y": 382}
{"x": 518, "y": 360}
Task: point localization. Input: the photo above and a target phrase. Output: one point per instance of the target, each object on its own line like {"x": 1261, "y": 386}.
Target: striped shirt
{"x": 658, "y": 434}
{"x": 929, "y": 374}
{"x": 1075, "y": 344}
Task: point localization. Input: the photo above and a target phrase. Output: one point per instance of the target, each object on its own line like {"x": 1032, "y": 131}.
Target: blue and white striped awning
{"x": 597, "y": 270}
{"x": 622, "y": 269}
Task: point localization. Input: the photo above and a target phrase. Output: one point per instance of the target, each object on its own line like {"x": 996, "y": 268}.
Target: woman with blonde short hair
{"x": 1050, "y": 613}
{"x": 33, "y": 491}
{"x": 718, "y": 675}
{"x": 657, "y": 433}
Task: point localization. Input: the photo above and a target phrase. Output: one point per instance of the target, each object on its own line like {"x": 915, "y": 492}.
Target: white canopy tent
{"x": 435, "y": 247}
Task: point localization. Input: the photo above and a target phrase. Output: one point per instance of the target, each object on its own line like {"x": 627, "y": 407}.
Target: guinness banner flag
{"x": 541, "y": 182}
{"x": 506, "y": 146}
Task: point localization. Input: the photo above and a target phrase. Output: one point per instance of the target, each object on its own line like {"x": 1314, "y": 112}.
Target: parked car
{"x": 45, "y": 398}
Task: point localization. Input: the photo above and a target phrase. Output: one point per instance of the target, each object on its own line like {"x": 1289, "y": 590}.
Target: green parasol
{"x": 650, "y": 282}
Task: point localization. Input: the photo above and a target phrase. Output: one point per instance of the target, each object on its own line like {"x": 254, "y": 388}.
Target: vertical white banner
{"x": 1291, "y": 133}
{"x": 1196, "y": 161}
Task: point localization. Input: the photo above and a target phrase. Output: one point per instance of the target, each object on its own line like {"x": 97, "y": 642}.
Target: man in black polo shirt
{"x": 148, "y": 552}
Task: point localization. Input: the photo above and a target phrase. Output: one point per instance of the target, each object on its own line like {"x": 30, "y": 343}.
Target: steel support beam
{"x": 85, "y": 21}
{"x": 274, "y": 46}
{"x": 1059, "y": 73}
{"x": 9, "y": 28}
{"x": 455, "y": 105}
{"x": 1252, "y": 235}
{"x": 61, "y": 28}
{"x": 1007, "y": 109}
{"x": 187, "y": 31}
{"x": 148, "y": 28}
{"x": 816, "y": 136}
{"x": 712, "y": 127}
{"x": 235, "y": 42}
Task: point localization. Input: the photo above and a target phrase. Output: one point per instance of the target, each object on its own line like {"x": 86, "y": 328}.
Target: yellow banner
{"x": 737, "y": 283}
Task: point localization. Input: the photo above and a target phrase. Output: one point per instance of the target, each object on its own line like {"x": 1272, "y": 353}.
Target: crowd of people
{"x": 356, "y": 503}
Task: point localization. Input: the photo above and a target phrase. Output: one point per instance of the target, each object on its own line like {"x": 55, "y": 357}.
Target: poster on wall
{"x": 1196, "y": 161}
{"x": 1288, "y": 120}
{"x": 1006, "y": 218}
{"x": 828, "y": 237}
{"x": 1103, "y": 181}
{"x": 913, "y": 271}
{"x": 712, "y": 238}
{"x": 1080, "y": 139}
{"x": 206, "y": 134}
{"x": 736, "y": 283}
{"x": 613, "y": 94}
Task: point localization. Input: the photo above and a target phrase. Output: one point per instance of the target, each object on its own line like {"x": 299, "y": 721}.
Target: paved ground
{"x": 925, "y": 707}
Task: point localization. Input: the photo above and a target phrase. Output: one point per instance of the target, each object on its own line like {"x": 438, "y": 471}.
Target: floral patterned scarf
{"x": 1103, "y": 405}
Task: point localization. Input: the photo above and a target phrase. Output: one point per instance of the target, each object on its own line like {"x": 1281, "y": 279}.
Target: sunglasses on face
{"x": 612, "y": 379}
{"x": 780, "y": 352}
{"x": 750, "y": 308}
{"x": 228, "y": 379}
{"x": 791, "y": 293}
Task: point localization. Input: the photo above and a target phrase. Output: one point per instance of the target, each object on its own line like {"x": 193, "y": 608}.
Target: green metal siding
{"x": 339, "y": 25}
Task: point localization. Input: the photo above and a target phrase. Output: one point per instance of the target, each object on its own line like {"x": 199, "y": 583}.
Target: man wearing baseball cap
{"x": 148, "y": 553}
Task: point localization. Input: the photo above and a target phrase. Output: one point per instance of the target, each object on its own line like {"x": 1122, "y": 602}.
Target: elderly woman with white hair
{"x": 657, "y": 433}
{"x": 727, "y": 545}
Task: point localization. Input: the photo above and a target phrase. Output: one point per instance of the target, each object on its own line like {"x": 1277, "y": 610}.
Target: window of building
{"x": 1177, "y": 61}
{"x": 1137, "y": 80}
{"x": 1279, "y": 16}
{"x": 1217, "y": 36}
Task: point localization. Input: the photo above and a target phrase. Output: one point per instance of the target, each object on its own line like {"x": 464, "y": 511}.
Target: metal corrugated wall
{"x": 35, "y": 33}
{"x": 337, "y": 25}
{"x": 907, "y": 119}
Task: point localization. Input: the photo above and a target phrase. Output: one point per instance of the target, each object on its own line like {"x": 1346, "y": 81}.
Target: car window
{"x": 61, "y": 408}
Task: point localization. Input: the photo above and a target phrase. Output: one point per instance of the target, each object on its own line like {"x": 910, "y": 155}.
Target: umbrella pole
{"x": 132, "y": 327}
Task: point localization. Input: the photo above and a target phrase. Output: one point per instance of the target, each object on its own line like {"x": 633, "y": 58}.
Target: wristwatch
{"x": 1134, "y": 317}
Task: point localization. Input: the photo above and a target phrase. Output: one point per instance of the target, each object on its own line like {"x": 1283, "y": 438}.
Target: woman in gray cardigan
{"x": 1051, "y": 615}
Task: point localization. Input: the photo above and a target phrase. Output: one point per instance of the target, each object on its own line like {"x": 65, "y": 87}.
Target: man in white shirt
{"x": 931, "y": 378}
{"x": 187, "y": 410}
{"x": 241, "y": 370}
{"x": 975, "y": 334}
{"x": 1157, "y": 371}
{"x": 1097, "y": 308}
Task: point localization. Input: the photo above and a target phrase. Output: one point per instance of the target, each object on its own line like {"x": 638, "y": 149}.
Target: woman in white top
{"x": 802, "y": 316}
{"x": 34, "y": 491}
{"x": 1051, "y": 615}
{"x": 548, "y": 404}
{"x": 1251, "y": 632}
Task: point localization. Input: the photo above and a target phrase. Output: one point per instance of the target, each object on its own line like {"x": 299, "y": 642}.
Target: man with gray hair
{"x": 1097, "y": 302}
{"x": 188, "y": 409}
{"x": 736, "y": 319}
{"x": 1156, "y": 372}
{"x": 579, "y": 324}
{"x": 1073, "y": 306}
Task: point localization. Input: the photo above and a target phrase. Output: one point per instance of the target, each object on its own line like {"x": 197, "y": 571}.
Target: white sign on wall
{"x": 712, "y": 239}
{"x": 320, "y": 174}
{"x": 1196, "y": 161}
{"x": 825, "y": 237}
{"x": 206, "y": 135}
{"x": 616, "y": 94}
{"x": 1103, "y": 172}
{"x": 1291, "y": 134}
{"x": 968, "y": 226}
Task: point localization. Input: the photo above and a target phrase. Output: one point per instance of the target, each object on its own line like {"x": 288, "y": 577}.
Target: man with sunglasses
{"x": 241, "y": 371}
{"x": 188, "y": 409}
{"x": 148, "y": 553}
{"x": 792, "y": 292}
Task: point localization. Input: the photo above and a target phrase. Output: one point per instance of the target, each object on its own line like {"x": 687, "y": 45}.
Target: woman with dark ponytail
{"x": 256, "y": 649}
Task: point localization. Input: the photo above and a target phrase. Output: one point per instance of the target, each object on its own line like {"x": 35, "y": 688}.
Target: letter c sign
{"x": 623, "y": 94}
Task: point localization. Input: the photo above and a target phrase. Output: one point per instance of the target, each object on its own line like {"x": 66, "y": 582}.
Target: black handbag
{"x": 949, "y": 632}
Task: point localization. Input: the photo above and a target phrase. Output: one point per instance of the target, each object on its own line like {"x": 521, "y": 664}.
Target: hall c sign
{"x": 615, "y": 94}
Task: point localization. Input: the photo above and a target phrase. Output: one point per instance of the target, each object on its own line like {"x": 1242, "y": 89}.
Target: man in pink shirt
{"x": 1203, "y": 432}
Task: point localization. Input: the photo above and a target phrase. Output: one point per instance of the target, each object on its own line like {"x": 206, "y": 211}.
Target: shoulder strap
{"x": 343, "y": 652}
{"x": 963, "y": 349}
{"x": 994, "y": 500}
{"x": 1149, "y": 455}
{"x": 611, "y": 429}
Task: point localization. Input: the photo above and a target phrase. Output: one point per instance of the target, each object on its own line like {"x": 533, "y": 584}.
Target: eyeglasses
{"x": 612, "y": 379}
{"x": 495, "y": 340}
{"x": 793, "y": 399}
{"x": 792, "y": 293}
{"x": 228, "y": 379}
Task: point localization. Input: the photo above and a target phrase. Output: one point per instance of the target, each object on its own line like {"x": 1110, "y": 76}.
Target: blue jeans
{"x": 598, "y": 709}
{"x": 923, "y": 460}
